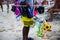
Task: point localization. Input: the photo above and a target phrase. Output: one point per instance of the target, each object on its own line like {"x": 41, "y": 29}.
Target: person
{"x": 7, "y": 6}
{"x": 26, "y": 18}
{"x": 17, "y": 9}
{"x": 1, "y": 4}
{"x": 45, "y": 2}
{"x": 55, "y": 8}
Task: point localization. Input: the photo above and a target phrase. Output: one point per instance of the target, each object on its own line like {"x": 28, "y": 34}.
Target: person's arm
{"x": 36, "y": 16}
{"x": 57, "y": 10}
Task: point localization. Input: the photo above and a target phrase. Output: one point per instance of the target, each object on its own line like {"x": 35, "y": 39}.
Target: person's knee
{"x": 1, "y": 6}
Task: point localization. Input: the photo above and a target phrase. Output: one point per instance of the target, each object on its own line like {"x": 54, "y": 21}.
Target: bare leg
{"x": 8, "y": 6}
{"x": 2, "y": 7}
{"x": 7, "y": 9}
{"x": 51, "y": 16}
{"x": 25, "y": 33}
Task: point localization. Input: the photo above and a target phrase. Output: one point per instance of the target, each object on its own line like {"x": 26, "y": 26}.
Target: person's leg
{"x": 51, "y": 15}
{"x": 7, "y": 6}
{"x": 52, "y": 12}
{"x": 1, "y": 7}
{"x": 25, "y": 33}
{"x": 7, "y": 9}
